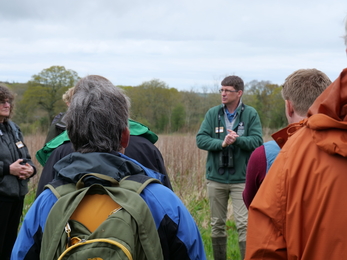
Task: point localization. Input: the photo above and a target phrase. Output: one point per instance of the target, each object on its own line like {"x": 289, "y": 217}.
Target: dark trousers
{"x": 11, "y": 211}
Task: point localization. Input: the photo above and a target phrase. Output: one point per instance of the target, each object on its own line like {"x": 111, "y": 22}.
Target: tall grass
{"x": 185, "y": 164}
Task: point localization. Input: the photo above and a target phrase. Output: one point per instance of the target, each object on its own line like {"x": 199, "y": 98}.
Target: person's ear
{"x": 289, "y": 111}
{"x": 124, "y": 141}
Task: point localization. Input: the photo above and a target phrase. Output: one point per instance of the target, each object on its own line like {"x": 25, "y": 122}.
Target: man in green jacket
{"x": 229, "y": 132}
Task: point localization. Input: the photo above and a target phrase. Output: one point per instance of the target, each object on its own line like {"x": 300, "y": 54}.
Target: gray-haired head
{"x": 97, "y": 115}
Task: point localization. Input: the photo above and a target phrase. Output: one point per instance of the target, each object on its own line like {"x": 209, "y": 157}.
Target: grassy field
{"x": 185, "y": 164}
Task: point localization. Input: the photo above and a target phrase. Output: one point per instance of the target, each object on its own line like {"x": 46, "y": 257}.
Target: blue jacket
{"x": 179, "y": 235}
{"x": 271, "y": 151}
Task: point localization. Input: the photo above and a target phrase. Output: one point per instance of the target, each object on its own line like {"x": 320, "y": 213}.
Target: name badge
{"x": 219, "y": 129}
{"x": 20, "y": 144}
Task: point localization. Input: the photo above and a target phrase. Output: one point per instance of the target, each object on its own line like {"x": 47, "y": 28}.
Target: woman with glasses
{"x": 16, "y": 168}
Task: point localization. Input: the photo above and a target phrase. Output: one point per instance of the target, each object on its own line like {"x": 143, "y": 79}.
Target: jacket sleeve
{"x": 255, "y": 173}
{"x": 266, "y": 217}
{"x": 27, "y": 154}
{"x": 179, "y": 236}
{"x": 28, "y": 242}
{"x": 254, "y": 136}
{"x": 205, "y": 137}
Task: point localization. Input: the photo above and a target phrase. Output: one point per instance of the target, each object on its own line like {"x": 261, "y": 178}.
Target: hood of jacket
{"x": 72, "y": 167}
{"x": 327, "y": 117}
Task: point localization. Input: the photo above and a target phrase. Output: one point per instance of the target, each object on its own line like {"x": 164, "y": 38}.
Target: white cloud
{"x": 184, "y": 43}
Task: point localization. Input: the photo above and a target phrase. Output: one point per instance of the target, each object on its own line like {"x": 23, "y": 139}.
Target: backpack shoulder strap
{"x": 137, "y": 183}
{"x": 60, "y": 188}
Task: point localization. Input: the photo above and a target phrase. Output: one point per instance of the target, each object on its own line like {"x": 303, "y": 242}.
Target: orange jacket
{"x": 300, "y": 210}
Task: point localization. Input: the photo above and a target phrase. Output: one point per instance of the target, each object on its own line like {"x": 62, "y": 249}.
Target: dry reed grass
{"x": 185, "y": 165}
{"x": 34, "y": 142}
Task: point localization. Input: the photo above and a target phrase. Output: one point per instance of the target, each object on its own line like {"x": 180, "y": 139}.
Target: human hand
{"x": 22, "y": 171}
{"x": 230, "y": 138}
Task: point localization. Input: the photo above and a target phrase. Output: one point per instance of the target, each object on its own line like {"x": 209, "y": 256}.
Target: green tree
{"x": 178, "y": 117}
{"x": 46, "y": 88}
{"x": 266, "y": 98}
{"x": 152, "y": 104}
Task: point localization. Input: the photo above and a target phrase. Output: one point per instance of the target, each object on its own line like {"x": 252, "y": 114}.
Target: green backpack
{"x": 129, "y": 232}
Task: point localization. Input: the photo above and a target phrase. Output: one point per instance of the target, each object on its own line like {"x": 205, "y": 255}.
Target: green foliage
{"x": 153, "y": 103}
{"x": 266, "y": 98}
{"x": 178, "y": 117}
{"x": 28, "y": 201}
{"x": 46, "y": 88}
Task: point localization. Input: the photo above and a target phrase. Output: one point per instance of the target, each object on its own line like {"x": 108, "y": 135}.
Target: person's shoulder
{"x": 65, "y": 147}
{"x": 138, "y": 139}
{"x": 163, "y": 196}
{"x": 44, "y": 202}
{"x": 46, "y": 197}
{"x": 258, "y": 154}
{"x": 13, "y": 125}
{"x": 271, "y": 144}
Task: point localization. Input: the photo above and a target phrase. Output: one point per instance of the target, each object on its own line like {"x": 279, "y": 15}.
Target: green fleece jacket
{"x": 211, "y": 135}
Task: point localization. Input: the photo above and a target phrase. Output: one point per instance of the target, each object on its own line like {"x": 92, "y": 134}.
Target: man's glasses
{"x": 227, "y": 91}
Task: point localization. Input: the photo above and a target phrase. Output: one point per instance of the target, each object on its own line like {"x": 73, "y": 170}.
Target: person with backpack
{"x": 16, "y": 168}
{"x": 97, "y": 125}
{"x": 140, "y": 148}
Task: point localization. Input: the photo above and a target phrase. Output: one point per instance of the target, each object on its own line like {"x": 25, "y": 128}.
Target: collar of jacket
{"x": 73, "y": 166}
{"x": 237, "y": 110}
{"x": 282, "y": 135}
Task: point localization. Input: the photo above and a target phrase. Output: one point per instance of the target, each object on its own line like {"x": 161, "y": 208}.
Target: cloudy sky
{"x": 188, "y": 44}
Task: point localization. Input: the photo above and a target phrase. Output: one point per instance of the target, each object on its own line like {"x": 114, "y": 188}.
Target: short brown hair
{"x": 6, "y": 93}
{"x": 233, "y": 81}
{"x": 303, "y": 86}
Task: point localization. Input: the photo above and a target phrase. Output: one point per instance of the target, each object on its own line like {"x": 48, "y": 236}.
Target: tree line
{"x": 162, "y": 108}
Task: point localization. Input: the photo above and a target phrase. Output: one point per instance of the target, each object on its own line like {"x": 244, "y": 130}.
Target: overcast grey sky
{"x": 188, "y": 44}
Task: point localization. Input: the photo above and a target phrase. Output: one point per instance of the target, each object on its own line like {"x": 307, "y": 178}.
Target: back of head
{"x": 233, "y": 81}
{"x": 5, "y": 94}
{"x": 97, "y": 115}
{"x": 68, "y": 95}
{"x": 302, "y": 87}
